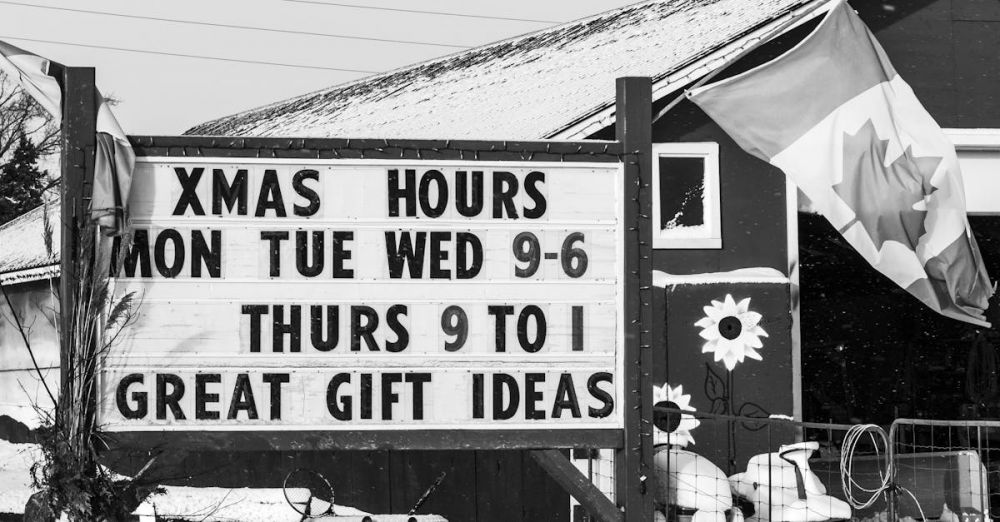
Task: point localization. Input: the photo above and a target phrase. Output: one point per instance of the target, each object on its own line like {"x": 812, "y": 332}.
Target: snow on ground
{"x": 15, "y": 475}
{"x": 231, "y": 504}
{"x": 206, "y": 504}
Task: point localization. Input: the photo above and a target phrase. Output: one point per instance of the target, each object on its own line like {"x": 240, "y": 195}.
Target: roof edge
{"x": 25, "y": 216}
{"x": 27, "y": 275}
{"x": 604, "y": 115}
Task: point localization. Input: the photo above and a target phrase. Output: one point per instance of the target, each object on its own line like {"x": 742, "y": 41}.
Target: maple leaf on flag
{"x": 882, "y": 197}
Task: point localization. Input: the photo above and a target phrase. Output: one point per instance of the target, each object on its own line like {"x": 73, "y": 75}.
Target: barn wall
{"x": 945, "y": 50}
{"x": 754, "y": 235}
{"x": 753, "y": 200}
{"x": 754, "y": 210}
{"x": 20, "y": 387}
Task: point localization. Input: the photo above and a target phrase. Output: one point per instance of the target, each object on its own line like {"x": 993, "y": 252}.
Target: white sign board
{"x": 363, "y": 294}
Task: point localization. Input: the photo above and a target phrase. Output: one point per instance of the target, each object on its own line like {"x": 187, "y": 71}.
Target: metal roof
{"x": 529, "y": 87}
{"x": 25, "y": 255}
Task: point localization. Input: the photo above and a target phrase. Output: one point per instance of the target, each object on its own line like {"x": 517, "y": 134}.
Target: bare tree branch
{"x": 21, "y": 116}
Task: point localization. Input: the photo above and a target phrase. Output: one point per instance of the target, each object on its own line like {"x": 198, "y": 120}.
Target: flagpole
{"x": 763, "y": 40}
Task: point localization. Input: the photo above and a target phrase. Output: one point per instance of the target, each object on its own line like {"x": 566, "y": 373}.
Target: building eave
{"x": 604, "y": 116}
{"x": 28, "y": 275}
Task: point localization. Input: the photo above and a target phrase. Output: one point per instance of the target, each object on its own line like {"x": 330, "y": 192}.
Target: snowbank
{"x": 15, "y": 475}
{"x": 206, "y": 504}
{"x": 229, "y": 505}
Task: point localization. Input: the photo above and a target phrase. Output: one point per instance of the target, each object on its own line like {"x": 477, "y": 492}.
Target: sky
{"x": 165, "y": 94}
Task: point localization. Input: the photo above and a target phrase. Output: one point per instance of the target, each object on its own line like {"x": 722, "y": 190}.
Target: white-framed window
{"x": 979, "y": 158}
{"x": 686, "y": 212}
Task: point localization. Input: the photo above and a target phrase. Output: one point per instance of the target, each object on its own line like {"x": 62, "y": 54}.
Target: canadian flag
{"x": 834, "y": 115}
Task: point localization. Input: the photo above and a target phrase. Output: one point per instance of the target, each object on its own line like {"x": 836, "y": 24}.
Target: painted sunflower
{"x": 674, "y": 398}
{"x": 731, "y": 332}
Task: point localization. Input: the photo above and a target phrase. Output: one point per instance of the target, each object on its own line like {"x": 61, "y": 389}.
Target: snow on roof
{"x": 528, "y": 87}
{"x": 24, "y": 254}
{"x": 756, "y": 274}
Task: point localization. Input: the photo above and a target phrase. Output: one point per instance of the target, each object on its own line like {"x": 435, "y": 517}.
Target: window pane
{"x": 682, "y": 192}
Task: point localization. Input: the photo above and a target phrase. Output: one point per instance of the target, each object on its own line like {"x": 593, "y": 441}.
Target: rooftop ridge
{"x": 409, "y": 68}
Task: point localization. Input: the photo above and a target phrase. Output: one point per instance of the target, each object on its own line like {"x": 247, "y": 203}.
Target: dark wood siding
{"x": 754, "y": 234}
{"x": 484, "y": 486}
{"x": 752, "y": 197}
{"x": 947, "y": 51}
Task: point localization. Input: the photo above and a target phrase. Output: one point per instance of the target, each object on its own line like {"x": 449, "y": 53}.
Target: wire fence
{"x": 947, "y": 470}
{"x": 771, "y": 469}
{"x": 599, "y": 466}
{"x": 724, "y": 468}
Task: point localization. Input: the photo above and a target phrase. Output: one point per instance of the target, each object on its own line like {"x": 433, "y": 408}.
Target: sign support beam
{"x": 575, "y": 483}
{"x": 634, "y": 461}
{"x": 79, "y": 124}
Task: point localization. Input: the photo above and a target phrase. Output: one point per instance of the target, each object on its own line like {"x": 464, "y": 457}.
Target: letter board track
{"x": 371, "y": 295}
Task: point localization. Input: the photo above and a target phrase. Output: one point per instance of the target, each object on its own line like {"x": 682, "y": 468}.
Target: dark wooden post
{"x": 79, "y": 124}
{"x": 634, "y": 461}
{"x": 577, "y": 484}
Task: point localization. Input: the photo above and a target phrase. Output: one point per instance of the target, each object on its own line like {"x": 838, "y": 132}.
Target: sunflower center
{"x": 666, "y": 421}
{"x": 730, "y": 327}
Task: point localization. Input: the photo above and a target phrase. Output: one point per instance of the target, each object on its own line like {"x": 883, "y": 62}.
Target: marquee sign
{"x": 359, "y": 294}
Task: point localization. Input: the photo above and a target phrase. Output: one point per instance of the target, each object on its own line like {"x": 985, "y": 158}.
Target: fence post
{"x": 634, "y": 461}
{"x": 892, "y": 508}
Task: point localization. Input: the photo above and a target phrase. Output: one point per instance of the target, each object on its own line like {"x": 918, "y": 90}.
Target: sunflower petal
{"x": 750, "y": 318}
{"x": 729, "y": 307}
{"x": 714, "y": 313}
{"x": 730, "y": 345}
{"x": 688, "y": 423}
{"x": 705, "y": 322}
{"x": 682, "y": 400}
{"x": 730, "y": 361}
{"x": 750, "y": 340}
{"x": 661, "y": 393}
{"x": 710, "y": 334}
